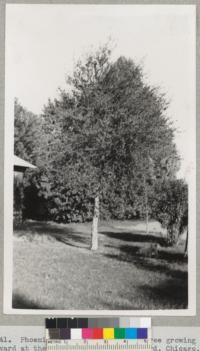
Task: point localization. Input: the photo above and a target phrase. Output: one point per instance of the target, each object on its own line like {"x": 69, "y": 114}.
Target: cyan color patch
{"x": 131, "y": 333}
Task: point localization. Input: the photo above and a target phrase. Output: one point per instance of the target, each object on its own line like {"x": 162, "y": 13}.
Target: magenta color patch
{"x": 87, "y": 333}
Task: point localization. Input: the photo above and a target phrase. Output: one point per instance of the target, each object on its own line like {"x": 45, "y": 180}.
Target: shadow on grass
{"x": 66, "y": 235}
{"x": 122, "y": 246}
{"x": 135, "y": 236}
{"x": 170, "y": 294}
{"x": 169, "y": 255}
{"x": 80, "y": 238}
{"x": 72, "y": 237}
{"x": 173, "y": 293}
{"x": 159, "y": 264}
{"x": 22, "y": 302}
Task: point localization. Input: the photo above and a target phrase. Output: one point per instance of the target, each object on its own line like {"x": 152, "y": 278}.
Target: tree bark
{"x": 146, "y": 206}
{"x": 94, "y": 238}
{"x": 186, "y": 244}
{"x": 147, "y": 219}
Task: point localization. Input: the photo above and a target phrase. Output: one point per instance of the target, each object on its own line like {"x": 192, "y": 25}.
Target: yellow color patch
{"x": 108, "y": 333}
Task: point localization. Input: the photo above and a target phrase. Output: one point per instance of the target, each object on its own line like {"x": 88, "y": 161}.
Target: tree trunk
{"x": 146, "y": 206}
{"x": 94, "y": 239}
{"x": 186, "y": 244}
{"x": 147, "y": 218}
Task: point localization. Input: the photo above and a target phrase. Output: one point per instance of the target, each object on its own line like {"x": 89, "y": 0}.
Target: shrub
{"x": 170, "y": 207}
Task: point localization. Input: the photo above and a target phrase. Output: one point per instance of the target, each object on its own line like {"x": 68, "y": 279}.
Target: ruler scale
{"x": 96, "y": 345}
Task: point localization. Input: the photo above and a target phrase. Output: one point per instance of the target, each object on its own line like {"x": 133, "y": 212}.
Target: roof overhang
{"x": 21, "y": 165}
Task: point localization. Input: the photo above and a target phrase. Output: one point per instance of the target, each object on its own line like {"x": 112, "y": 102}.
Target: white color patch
{"x": 76, "y": 334}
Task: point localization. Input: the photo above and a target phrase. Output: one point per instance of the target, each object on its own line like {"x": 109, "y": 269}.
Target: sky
{"x": 43, "y": 42}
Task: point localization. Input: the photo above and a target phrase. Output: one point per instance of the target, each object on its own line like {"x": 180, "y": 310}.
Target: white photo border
{"x": 8, "y": 212}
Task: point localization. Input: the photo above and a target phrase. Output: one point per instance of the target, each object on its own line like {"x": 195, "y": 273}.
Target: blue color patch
{"x": 131, "y": 333}
{"x": 142, "y": 333}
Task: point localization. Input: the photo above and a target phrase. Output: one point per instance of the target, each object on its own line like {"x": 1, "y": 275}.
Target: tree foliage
{"x": 107, "y": 134}
{"x": 27, "y": 133}
{"x": 170, "y": 207}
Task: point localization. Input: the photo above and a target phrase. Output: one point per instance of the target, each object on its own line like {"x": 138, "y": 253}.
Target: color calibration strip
{"x": 98, "y": 322}
{"x": 96, "y": 333}
{"x": 100, "y": 334}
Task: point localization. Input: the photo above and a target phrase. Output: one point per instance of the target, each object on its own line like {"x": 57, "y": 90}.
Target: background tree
{"x": 27, "y": 143}
{"x": 27, "y": 133}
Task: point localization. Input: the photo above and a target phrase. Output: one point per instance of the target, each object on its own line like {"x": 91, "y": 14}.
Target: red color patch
{"x": 97, "y": 333}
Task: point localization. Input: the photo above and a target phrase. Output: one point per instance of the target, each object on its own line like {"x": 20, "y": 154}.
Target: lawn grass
{"x": 54, "y": 268}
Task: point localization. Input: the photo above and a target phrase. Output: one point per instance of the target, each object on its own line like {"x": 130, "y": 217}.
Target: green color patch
{"x": 119, "y": 333}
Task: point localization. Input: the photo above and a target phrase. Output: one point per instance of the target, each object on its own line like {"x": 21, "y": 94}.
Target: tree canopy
{"x": 27, "y": 136}
{"x": 108, "y": 133}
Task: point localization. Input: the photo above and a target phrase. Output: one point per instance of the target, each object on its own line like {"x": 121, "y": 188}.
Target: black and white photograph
{"x": 100, "y": 159}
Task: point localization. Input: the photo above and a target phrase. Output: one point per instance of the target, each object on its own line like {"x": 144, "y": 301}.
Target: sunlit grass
{"x": 54, "y": 268}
